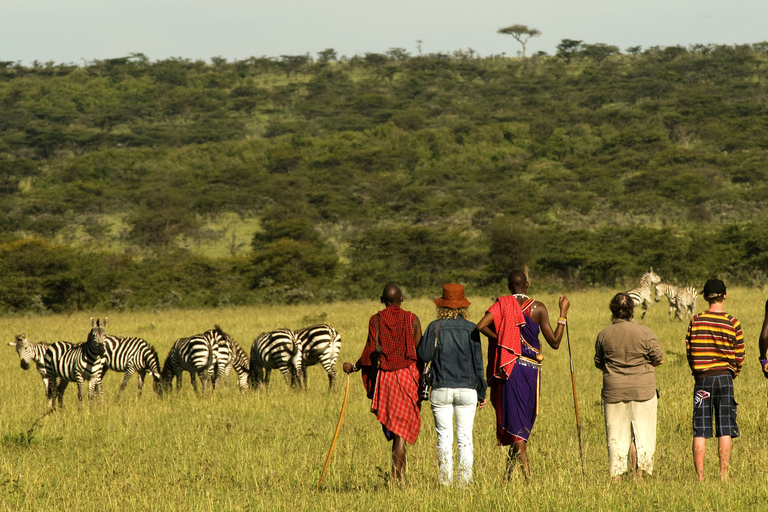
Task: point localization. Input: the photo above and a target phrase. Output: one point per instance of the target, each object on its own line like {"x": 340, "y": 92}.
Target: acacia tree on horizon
{"x": 521, "y": 33}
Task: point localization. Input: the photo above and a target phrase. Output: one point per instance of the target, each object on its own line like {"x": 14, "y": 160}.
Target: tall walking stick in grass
{"x": 575, "y": 402}
{"x": 335, "y": 436}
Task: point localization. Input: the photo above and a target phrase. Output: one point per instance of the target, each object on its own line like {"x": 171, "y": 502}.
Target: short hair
{"x": 622, "y": 306}
{"x": 517, "y": 278}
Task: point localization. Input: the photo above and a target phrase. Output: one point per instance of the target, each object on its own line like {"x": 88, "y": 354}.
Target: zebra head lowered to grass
{"x": 682, "y": 301}
{"x": 641, "y": 295}
{"x": 128, "y": 356}
{"x": 76, "y": 363}
{"x": 278, "y": 349}
{"x": 195, "y": 355}
{"x": 319, "y": 344}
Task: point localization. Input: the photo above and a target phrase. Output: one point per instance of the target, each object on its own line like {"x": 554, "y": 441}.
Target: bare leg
{"x": 398, "y": 459}
{"x": 724, "y": 450}
{"x": 518, "y": 452}
{"x": 698, "y": 449}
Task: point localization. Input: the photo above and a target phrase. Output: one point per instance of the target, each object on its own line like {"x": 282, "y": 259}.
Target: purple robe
{"x": 519, "y": 393}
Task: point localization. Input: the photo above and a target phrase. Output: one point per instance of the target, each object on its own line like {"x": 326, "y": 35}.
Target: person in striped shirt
{"x": 715, "y": 349}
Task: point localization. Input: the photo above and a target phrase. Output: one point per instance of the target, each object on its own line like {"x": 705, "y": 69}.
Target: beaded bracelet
{"x": 763, "y": 362}
{"x": 562, "y": 320}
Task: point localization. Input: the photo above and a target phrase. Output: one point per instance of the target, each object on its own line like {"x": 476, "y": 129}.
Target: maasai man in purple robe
{"x": 513, "y": 324}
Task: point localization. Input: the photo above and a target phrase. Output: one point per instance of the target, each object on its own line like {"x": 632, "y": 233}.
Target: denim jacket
{"x": 458, "y": 360}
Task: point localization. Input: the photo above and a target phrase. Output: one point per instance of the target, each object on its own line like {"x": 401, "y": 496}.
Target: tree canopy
{"x": 129, "y": 183}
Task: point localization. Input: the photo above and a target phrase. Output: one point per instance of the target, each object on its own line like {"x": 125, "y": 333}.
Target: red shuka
{"x": 503, "y": 351}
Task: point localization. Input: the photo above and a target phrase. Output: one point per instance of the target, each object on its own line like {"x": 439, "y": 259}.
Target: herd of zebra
{"x": 211, "y": 356}
{"x": 682, "y": 301}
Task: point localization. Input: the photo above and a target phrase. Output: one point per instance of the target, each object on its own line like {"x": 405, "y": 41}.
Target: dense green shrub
{"x": 587, "y": 167}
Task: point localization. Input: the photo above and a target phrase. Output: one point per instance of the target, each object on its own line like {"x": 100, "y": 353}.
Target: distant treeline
{"x": 588, "y": 166}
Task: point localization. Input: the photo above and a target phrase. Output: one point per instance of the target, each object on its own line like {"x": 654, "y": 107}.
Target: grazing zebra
{"x": 682, "y": 301}
{"x": 229, "y": 355}
{"x": 319, "y": 344}
{"x": 29, "y": 352}
{"x": 76, "y": 363}
{"x": 642, "y": 294}
{"x": 277, "y": 349}
{"x": 195, "y": 355}
{"x": 129, "y": 356}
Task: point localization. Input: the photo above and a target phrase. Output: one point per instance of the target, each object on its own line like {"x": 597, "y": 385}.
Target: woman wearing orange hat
{"x": 452, "y": 344}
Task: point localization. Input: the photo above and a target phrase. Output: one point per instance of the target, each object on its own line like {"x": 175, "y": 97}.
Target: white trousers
{"x": 445, "y": 402}
{"x": 623, "y": 421}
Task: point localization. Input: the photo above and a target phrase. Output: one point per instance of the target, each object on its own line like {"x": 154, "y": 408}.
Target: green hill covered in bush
{"x": 127, "y": 183}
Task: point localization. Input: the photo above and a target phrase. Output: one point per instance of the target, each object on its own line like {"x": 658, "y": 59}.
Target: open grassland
{"x": 265, "y": 450}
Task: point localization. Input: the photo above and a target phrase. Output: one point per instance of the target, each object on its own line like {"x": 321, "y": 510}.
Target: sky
{"x": 80, "y": 31}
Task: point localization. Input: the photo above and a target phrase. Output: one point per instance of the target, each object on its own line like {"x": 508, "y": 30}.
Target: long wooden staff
{"x": 335, "y": 436}
{"x": 575, "y": 403}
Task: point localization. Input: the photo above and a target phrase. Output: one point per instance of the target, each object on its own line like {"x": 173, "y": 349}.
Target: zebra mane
{"x": 167, "y": 362}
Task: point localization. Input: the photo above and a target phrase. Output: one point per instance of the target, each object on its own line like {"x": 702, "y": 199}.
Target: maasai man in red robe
{"x": 394, "y": 394}
{"x": 512, "y": 325}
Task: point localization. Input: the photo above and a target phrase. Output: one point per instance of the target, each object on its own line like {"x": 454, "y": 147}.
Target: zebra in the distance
{"x": 76, "y": 363}
{"x": 32, "y": 352}
{"x": 229, "y": 355}
{"x": 128, "y": 356}
{"x": 642, "y": 294}
{"x": 319, "y": 344}
{"x": 682, "y": 301}
{"x": 278, "y": 349}
{"x": 195, "y": 355}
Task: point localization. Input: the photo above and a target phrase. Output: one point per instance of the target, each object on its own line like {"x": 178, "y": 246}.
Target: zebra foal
{"x": 76, "y": 363}
{"x": 319, "y": 344}
{"x": 278, "y": 349}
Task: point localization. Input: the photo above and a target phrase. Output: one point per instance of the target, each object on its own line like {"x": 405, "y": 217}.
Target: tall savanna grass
{"x": 265, "y": 450}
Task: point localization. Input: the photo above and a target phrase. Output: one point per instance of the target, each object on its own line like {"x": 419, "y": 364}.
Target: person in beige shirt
{"x": 627, "y": 354}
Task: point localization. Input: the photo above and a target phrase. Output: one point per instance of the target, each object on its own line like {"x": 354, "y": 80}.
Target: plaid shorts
{"x": 714, "y": 396}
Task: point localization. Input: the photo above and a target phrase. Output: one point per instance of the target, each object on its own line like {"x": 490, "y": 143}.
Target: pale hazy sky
{"x": 83, "y": 30}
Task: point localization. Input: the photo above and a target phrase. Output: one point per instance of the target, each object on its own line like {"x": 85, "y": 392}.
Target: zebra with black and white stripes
{"x": 229, "y": 355}
{"x": 195, "y": 355}
{"x": 237, "y": 360}
{"x": 682, "y": 301}
{"x": 642, "y": 294}
{"x": 33, "y": 352}
{"x": 130, "y": 355}
{"x": 278, "y": 349}
{"x": 319, "y": 344}
{"x": 76, "y": 363}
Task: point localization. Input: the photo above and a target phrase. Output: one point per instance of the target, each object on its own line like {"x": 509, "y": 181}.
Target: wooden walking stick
{"x": 335, "y": 436}
{"x": 575, "y": 403}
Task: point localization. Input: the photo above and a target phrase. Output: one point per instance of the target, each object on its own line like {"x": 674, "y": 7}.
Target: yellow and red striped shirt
{"x": 714, "y": 344}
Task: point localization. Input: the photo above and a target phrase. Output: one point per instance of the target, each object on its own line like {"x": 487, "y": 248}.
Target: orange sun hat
{"x": 453, "y": 297}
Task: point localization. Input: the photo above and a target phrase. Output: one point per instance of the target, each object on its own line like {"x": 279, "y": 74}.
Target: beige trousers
{"x": 625, "y": 421}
